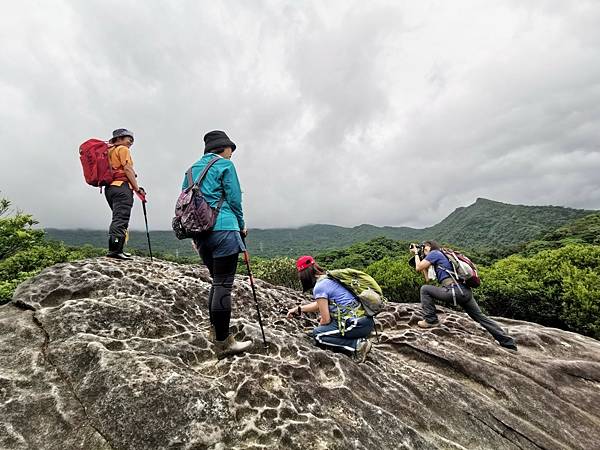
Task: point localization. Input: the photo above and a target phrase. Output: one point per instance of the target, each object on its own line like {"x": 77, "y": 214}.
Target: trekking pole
{"x": 143, "y": 200}
{"x": 247, "y": 261}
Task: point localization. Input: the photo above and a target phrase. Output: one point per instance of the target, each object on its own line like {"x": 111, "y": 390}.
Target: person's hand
{"x": 244, "y": 232}
{"x": 141, "y": 190}
{"x": 292, "y": 312}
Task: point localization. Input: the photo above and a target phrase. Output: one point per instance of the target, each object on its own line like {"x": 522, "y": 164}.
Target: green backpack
{"x": 363, "y": 287}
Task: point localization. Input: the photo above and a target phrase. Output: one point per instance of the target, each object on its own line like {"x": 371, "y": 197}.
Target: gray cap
{"x": 121, "y": 132}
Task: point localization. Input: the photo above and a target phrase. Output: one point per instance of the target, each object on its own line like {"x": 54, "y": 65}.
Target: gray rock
{"x": 105, "y": 354}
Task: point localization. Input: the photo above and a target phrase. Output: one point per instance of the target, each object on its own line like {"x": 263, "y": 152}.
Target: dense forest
{"x": 542, "y": 274}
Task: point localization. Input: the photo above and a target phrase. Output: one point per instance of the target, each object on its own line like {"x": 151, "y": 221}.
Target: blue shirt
{"x": 335, "y": 293}
{"x": 439, "y": 260}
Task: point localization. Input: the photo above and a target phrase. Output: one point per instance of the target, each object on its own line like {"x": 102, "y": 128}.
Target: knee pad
{"x": 221, "y": 299}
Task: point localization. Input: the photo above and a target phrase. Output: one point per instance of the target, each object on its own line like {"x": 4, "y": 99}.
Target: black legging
{"x": 222, "y": 271}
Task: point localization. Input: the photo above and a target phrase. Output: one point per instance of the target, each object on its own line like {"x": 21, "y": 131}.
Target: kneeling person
{"x": 343, "y": 323}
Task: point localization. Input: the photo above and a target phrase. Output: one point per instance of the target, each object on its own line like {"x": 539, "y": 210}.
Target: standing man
{"x": 119, "y": 194}
{"x": 451, "y": 289}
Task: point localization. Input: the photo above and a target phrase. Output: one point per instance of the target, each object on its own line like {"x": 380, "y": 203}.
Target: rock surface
{"x": 104, "y": 354}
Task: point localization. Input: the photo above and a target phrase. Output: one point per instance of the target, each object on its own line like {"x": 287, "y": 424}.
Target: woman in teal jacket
{"x": 219, "y": 249}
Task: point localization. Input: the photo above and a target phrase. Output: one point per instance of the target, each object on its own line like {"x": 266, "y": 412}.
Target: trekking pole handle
{"x": 141, "y": 196}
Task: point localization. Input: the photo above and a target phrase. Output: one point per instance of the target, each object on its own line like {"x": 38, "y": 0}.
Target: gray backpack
{"x": 193, "y": 215}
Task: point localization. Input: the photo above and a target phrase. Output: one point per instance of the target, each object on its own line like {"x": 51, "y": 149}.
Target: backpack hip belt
{"x": 348, "y": 313}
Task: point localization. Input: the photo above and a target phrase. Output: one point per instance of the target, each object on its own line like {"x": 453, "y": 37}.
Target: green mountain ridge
{"x": 491, "y": 223}
{"x": 485, "y": 223}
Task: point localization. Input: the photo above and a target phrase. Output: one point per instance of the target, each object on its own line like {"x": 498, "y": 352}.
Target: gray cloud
{"x": 344, "y": 112}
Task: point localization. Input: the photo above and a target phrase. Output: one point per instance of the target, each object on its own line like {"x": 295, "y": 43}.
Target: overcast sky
{"x": 344, "y": 112}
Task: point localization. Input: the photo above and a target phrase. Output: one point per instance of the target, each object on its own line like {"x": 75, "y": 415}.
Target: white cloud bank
{"x": 389, "y": 113}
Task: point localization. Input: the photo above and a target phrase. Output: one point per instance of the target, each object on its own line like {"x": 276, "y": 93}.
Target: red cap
{"x": 304, "y": 261}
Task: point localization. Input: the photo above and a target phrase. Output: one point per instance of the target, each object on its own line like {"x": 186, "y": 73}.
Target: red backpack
{"x": 97, "y": 170}
{"x": 464, "y": 269}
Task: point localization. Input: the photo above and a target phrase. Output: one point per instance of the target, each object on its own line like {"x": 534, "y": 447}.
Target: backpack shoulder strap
{"x": 342, "y": 284}
{"x": 218, "y": 208}
{"x": 205, "y": 171}
{"x": 198, "y": 182}
{"x": 190, "y": 180}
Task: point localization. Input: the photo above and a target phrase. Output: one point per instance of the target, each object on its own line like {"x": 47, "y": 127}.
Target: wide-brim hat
{"x": 120, "y": 132}
{"x": 217, "y": 139}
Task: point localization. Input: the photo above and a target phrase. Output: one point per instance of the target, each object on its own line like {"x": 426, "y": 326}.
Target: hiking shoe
{"x": 425, "y": 324}
{"x": 511, "y": 347}
{"x": 230, "y": 347}
{"x": 362, "y": 349}
{"x": 116, "y": 255}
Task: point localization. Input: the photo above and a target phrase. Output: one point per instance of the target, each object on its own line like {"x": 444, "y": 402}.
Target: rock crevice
{"x": 65, "y": 379}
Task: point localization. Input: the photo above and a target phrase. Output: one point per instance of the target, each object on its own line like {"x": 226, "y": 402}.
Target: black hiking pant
{"x": 120, "y": 200}
{"x": 430, "y": 293}
{"x": 222, "y": 271}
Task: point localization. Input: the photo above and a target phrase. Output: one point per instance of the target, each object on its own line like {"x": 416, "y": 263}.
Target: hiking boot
{"x": 511, "y": 347}
{"x": 231, "y": 347}
{"x": 362, "y": 349}
{"x": 115, "y": 248}
{"x": 425, "y": 324}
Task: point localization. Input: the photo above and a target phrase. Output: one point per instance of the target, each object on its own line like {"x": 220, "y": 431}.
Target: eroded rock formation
{"x": 104, "y": 354}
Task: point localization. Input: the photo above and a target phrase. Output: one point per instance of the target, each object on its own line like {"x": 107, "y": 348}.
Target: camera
{"x": 420, "y": 251}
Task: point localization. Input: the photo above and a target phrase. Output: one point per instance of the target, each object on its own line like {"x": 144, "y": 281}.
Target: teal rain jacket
{"x": 221, "y": 179}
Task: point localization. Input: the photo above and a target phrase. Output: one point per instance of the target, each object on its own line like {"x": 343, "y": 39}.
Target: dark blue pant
{"x": 356, "y": 328}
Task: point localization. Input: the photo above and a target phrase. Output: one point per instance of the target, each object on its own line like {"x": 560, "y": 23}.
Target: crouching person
{"x": 450, "y": 289}
{"x": 343, "y": 324}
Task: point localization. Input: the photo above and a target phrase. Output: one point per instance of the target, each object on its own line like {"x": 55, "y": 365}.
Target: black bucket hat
{"x": 217, "y": 139}
{"x": 120, "y": 132}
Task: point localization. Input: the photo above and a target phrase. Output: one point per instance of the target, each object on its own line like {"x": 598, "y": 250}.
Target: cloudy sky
{"x": 344, "y": 112}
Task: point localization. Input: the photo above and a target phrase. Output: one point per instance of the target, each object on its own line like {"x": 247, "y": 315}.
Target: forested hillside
{"x": 487, "y": 222}
{"x": 484, "y": 224}
{"x": 585, "y": 230}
